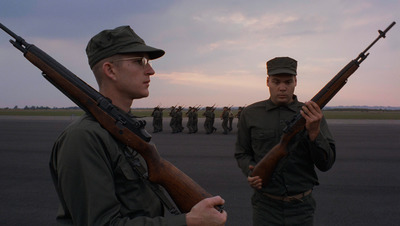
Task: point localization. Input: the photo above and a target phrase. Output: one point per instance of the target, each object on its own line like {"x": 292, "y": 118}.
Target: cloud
{"x": 238, "y": 80}
{"x": 241, "y": 23}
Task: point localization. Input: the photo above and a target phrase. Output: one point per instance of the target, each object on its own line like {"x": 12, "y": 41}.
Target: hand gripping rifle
{"x": 182, "y": 189}
{"x": 268, "y": 163}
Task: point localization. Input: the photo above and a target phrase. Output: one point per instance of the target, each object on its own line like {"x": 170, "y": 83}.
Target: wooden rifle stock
{"x": 184, "y": 191}
{"x": 266, "y": 166}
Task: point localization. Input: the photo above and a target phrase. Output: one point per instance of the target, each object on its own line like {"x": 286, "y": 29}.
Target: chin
{"x": 141, "y": 95}
{"x": 282, "y": 102}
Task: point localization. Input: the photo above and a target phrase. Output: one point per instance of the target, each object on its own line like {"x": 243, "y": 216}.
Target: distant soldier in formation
{"x": 179, "y": 118}
{"x": 172, "y": 123}
{"x": 213, "y": 118}
{"x": 195, "y": 119}
{"x": 225, "y": 118}
{"x": 231, "y": 117}
{"x": 157, "y": 119}
{"x": 209, "y": 121}
{"x": 192, "y": 119}
{"x": 189, "y": 123}
{"x": 238, "y": 115}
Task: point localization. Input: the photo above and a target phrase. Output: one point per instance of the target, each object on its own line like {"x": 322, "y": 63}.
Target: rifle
{"x": 198, "y": 107}
{"x": 184, "y": 191}
{"x": 268, "y": 163}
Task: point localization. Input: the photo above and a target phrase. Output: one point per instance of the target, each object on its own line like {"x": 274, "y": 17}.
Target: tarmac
{"x": 362, "y": 188}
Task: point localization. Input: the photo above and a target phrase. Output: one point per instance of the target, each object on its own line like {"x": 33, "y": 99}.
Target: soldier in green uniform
{"x": 95, "y": 182}
{"x": 179, "y": 119}
{"x": 212, "y": 115}
{"x": 287, "y": 199}
{"x": 238, "y": 115}
{"x": 189, "y": 123}
{"x": 173, "y": 122}
{"x": 195, "y": 119}
{"x": 231, "y": 116}
{"x": 157, "y": 119}
{"x": 207, "y": 121}
{"x": 225, "y": 118}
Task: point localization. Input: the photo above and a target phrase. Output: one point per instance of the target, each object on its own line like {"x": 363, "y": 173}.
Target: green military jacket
{"x": 260, "y": 128}
{"x": 97, "y": 184}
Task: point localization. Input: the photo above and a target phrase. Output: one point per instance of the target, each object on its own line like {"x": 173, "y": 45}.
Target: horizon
{"x": 33, "y": 107}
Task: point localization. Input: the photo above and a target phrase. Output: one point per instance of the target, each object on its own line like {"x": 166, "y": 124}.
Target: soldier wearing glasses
{"x": 96, "y": 184}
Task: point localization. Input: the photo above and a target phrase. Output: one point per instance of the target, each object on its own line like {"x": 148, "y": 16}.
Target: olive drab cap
{"x": 282, "y": 65}
{"x": 119, "y": 40}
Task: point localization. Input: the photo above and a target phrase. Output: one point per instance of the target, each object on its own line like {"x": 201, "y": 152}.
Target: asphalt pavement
{"x": 362, "y": 188}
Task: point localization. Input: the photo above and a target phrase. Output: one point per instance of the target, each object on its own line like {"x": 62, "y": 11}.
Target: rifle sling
{"x": 136, "y": 165}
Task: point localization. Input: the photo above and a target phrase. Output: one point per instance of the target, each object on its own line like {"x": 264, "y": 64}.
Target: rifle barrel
{"x": 382, "y": 34}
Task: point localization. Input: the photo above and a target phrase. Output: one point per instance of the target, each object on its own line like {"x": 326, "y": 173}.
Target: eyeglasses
{"x": 143, "y": 61}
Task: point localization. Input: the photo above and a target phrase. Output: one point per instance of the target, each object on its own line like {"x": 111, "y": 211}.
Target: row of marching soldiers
{"x": 192, "y": 124}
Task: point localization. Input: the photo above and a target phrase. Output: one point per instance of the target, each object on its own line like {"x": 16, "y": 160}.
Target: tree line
{"x": 41, "y": 108}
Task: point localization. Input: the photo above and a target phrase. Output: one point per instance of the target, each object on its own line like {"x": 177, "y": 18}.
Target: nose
{"x": 282, "y": 87}
{"x": 149, "y": 70}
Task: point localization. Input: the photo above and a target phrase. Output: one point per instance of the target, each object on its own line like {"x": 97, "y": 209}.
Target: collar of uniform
{"x": 292, "y": 106}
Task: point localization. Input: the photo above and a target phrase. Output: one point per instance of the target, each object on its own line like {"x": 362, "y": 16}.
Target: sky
{"x": 216, "y": 50}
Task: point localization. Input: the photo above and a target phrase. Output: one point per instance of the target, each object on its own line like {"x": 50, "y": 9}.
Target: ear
{"x": 268, "y": 81}
{"x": 109, "y": 70}
{"x": 295, "y": 81}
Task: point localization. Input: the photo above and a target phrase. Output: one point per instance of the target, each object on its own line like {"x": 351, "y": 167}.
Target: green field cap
{"x": 282, "y": 65}
{"x": 116, "y": 41}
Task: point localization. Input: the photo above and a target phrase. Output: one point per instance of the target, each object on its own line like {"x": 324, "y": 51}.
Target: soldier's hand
{"x": 204, "y": 213}
{"x": 312, "y": 113}
{"x": 254, "y": 182}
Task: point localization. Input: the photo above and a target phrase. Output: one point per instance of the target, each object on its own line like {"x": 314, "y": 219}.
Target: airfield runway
{"x": 362, "y": 188}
